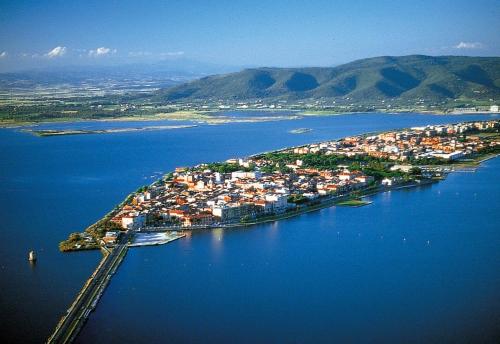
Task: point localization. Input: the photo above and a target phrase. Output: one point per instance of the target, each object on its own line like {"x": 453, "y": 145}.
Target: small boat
{"x": 32, "y": 256}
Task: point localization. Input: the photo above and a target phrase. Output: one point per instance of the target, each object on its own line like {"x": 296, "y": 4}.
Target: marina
{"x": 152, "y": 239}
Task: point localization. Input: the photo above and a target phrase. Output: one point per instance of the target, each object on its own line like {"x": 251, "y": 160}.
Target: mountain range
{"x": 413, "y": 77}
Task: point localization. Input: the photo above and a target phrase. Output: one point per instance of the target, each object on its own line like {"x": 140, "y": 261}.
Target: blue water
{"x": 339, "y": 274}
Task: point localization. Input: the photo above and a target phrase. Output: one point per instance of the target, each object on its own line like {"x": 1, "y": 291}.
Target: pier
{"x": 72, "y": 322}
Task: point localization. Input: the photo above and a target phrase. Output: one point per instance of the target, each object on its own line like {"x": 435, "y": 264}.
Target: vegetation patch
{"x": 353, "y": 203}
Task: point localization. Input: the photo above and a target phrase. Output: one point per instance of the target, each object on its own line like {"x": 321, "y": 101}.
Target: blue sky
{"x": 241, "y": 33}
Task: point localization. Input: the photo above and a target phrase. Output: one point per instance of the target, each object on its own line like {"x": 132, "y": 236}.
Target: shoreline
{"x": 326, "y": 203}
{"x": 54, "y": 132}
{"x": 330, "y": 203}
{"x": 97, "y": 229}
{"x": 308, "y": 209}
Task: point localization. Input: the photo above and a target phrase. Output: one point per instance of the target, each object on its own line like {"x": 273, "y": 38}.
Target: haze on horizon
{"x": 278, "y": 33}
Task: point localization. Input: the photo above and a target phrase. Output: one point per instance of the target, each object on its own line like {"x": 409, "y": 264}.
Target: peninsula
{"x": 55, "y": 132}
{"x": 287, "y": 182}
{"x": 268, "y": 187}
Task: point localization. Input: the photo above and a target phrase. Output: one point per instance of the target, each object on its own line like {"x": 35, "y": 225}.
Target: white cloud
{"x": 56, "y": 52}
{"x": 3, "y": 54}
{"x": 469, "y": 45}
{"x": 102, "y": 51}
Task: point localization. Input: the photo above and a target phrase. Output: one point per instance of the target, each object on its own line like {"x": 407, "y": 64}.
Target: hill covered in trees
{"x": 414, "y": 77}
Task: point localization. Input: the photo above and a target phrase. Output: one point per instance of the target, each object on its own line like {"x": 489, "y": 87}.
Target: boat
{"x": 32, "y": 256}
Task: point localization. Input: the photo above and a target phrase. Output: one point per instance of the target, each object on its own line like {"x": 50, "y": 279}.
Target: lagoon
{"x": 345, "y": 274}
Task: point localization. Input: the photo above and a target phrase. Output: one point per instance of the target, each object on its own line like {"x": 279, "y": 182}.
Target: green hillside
{"x": 414, "y": 77}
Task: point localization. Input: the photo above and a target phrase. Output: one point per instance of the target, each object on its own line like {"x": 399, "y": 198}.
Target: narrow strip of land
{"x": 73, "y": 321}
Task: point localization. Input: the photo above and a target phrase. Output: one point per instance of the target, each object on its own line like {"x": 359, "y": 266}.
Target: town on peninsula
{"x": 283, "y": 183}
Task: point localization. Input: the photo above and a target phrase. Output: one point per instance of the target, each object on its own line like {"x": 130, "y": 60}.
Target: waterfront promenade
{"x": 72, "y": 322}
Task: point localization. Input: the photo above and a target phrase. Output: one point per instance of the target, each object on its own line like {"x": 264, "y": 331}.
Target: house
{"x": 364, "y": 179}
{"x": 403, "y": 168}
{"x": 110, "y": 238}
{"x": 448, "y": 156}
{"x": 202, "y": 219}
{"x": 391, "y": 181}
{"x": 346, "y": 176}
{"x": 232, "y": 211}
{"x": 243, "y": 175}
{"x": 387, "y": 182}
{"x": 133, "y": 221}
{"x": 279, "y": 202}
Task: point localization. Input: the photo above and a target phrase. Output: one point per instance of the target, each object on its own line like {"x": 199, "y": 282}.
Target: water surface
{"x": 416, "y": 266}
{"x": 258, "y": 278}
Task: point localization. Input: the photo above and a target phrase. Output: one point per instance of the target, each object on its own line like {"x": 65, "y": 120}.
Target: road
{"x": 71, "y": 323}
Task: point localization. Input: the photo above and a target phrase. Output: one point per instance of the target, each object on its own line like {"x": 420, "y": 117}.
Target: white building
{"x": 231, "y": 211}
{"x": 244, "y": 162}
{"x": 218, "y": 177}
{"x": 242, "y": 175}
{"x": 278, "y": 201}
{"x": 387, "y": 182}
{"x": 403, "y": 168}
{"x": 133, "y": 221}
{"x": 346, "y": 176}
{"x": 448, "y": 156}
{"x": 200, "y": 185}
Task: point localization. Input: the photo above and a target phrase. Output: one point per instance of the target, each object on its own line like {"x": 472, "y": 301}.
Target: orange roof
{"x": 176, "y": 211}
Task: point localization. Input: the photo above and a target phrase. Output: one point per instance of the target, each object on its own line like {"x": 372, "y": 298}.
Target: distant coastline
{"x": 54, "y": 132}
{"x": 212, "y": 117}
